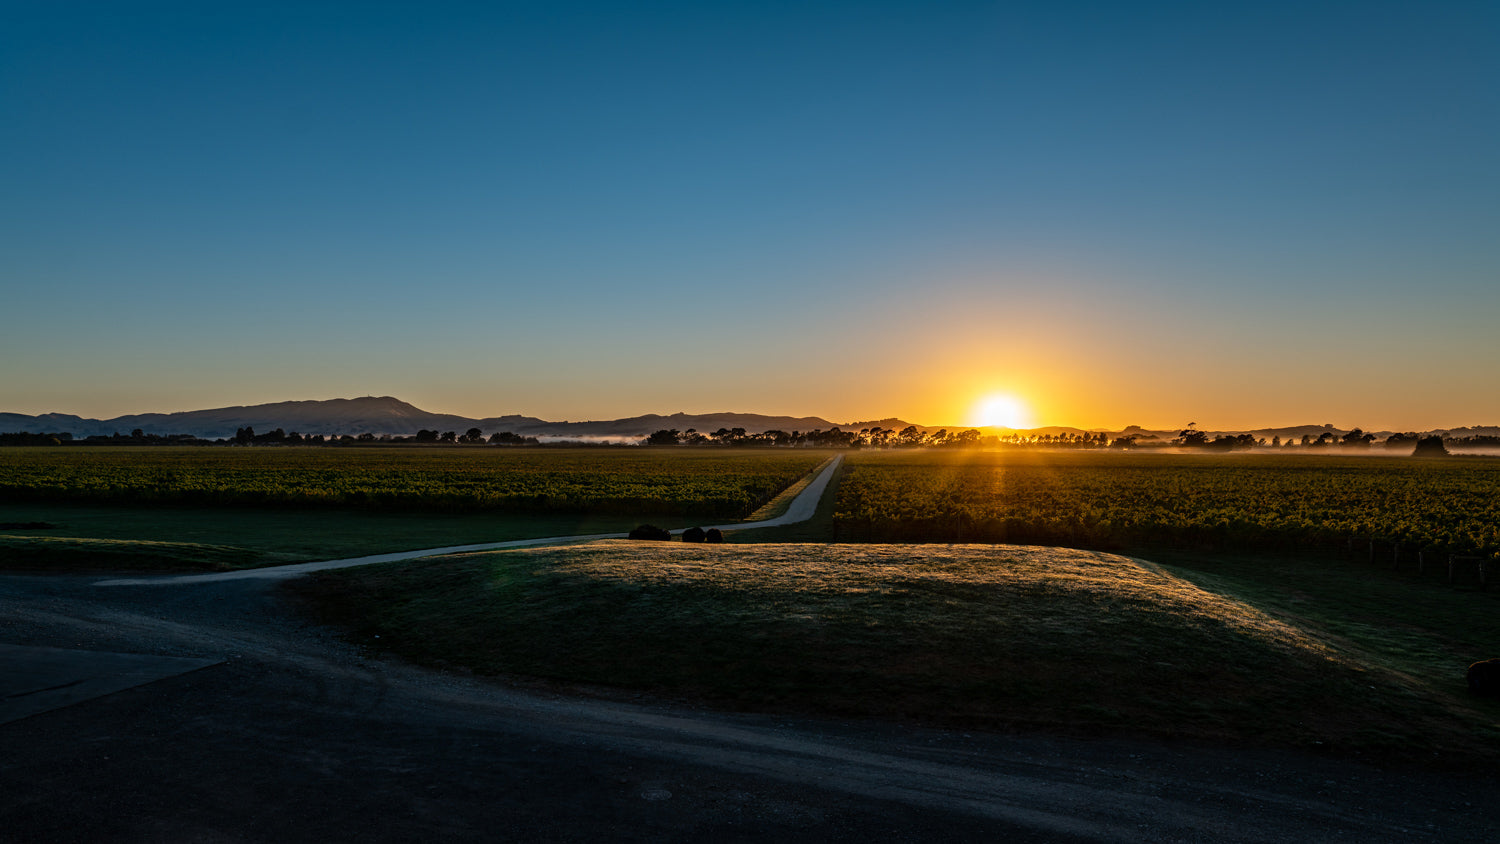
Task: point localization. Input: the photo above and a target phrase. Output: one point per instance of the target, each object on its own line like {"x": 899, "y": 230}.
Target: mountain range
{"x": 388, "y": 415}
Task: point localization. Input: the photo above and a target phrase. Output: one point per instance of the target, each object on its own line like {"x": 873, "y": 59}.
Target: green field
{"x": 966, "y": 635}
{"x": 701, "y": 483}
{"x": 1282, "y": 641}
{"x": 1236, "y": 502}
{"x": 217, "y": 508}
{"x": 1249, "y": 626}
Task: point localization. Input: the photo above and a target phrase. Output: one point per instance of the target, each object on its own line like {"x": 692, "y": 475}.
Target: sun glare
{"x": 1001, "y": 412}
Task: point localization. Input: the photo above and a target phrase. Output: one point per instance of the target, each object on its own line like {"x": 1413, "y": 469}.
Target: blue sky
{"x": 1156, "y": 213}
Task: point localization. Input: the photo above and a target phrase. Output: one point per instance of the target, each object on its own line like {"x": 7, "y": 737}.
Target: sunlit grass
{"x": 995, "y": 636}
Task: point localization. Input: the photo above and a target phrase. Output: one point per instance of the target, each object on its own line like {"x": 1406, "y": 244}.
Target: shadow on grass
{"x": 987, "y": 636}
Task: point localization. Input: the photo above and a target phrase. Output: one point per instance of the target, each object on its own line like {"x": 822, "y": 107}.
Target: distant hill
{"x": 383, "y": 415}
{"x": 388, "y": 415}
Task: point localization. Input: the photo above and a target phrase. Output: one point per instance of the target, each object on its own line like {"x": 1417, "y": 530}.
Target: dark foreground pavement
{"x": 275, "y": 730}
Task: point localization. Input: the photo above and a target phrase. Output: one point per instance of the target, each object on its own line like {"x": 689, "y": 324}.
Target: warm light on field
{"x": 1001, "y": 411}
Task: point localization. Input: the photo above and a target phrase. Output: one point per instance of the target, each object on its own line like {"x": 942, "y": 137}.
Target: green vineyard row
{"x": 603, "y": 481}
{"x": 1107, "y": 500}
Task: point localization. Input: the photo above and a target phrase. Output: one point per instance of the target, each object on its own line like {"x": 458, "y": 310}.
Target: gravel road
{"x": 295, "y": 735}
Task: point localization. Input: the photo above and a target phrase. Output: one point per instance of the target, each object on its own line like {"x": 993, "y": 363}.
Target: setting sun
{"x": 1002, "y": 411}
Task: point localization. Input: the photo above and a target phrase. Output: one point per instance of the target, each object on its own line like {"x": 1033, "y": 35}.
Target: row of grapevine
{"x": 1105, "y": 500}
{"x": 716, "y": 484}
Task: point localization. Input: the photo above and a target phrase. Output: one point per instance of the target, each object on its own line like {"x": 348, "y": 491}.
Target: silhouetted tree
{"x": 1191, "y": 436}
{"x": 509, "y": 438}
{"x": 1430, "y": 446}
{"x": 1405, "y": 439}
{"x": 664, "y": 437}
{"x": 965, "y": 439}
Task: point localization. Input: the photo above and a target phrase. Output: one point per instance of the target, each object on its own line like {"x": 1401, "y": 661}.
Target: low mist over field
{"x": 388, "y": 416}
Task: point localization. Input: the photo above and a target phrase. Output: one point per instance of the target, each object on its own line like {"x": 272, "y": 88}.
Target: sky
{"x": 1239, "y": 215}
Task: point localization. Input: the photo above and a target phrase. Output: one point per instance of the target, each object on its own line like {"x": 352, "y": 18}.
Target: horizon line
{"x": 891, "y": 417}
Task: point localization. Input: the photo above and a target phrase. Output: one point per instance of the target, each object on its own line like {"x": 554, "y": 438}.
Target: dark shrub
{"x": 693, "y": 534}
{"x": 1430, "y": 447}
{"x": 714, "y": 535}
{"x": 651, "y": 532}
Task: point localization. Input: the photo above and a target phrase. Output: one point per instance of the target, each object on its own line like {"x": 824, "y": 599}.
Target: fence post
{"x": 1450, "y": 569}
{"x": 1421, "y": 561}
{"x": 1395, "y": 556}
{"x": 1372, "y": 552}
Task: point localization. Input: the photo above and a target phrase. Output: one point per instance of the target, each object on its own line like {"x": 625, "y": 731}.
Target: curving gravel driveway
{"x": 802, "y": 508}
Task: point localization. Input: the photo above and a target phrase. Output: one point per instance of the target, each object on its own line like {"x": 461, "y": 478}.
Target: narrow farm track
{"x": 291, "y": 734}
{"x": 801, "y": 509}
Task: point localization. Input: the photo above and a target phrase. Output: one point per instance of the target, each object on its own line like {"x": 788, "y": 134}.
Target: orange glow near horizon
{"x": 1001, "y": 410}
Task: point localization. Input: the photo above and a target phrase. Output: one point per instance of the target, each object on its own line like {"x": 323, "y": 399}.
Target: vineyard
{"x": 1116, "y": 500}
{"x": 591, "y": 480}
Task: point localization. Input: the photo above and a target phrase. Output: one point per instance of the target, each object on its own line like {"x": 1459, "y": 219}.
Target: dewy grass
{"x": 979, "y": 635}
{"x": 1416, "y": 629}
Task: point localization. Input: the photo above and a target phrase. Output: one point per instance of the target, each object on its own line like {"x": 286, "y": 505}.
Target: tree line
{"x": 913, "y": 437}
{"x": 247, "y": 436}
{"x": 874, "y": 437}
{"x": 908, "y": 437}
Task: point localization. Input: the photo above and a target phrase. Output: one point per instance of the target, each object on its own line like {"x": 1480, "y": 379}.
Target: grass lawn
{"x": 981, "y": 635}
